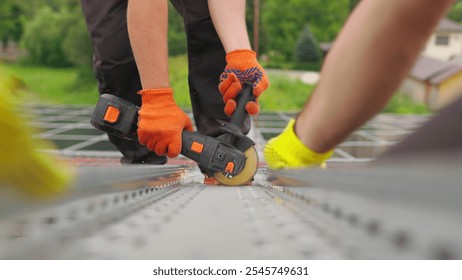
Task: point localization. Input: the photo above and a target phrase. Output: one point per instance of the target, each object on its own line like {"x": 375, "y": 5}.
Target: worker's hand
{"x": 242, "y": 66}
{"x": 287, "y": 151}
{"x": 161, "y": 122}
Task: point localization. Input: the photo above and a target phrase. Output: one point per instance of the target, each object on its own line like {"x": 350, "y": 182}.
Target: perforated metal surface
{"x": 402, "y": 210}
{"x": 102, "y": 196}
{"x": 187, "y": 221}
{"x": 409, "y": 208}
{"x": 372, "y": 213}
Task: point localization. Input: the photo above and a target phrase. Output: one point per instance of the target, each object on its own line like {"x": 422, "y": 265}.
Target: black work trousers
{"x": 117, "y": 74}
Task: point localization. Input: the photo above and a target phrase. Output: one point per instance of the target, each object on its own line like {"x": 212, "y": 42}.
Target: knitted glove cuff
{"x": 158, "y": 97}
{"x": 287, "y": 151}
{"x": 242, "y": 59}
{"x": 305, "y": 154}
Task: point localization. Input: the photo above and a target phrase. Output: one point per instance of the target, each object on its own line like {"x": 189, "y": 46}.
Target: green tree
{"x": 31, "y": 7}
{"x": 43, "y": 38}
{"x": 14, "y": 14}
{"x": 78, "y": 50}
{"x": 283, "y": 20}
{"x": 57, "y": 38}
{"x": 11, "y": 23}
{"x": 307, "y": 49}
{"x": 76, "y": 44}
{"x": 455, "y": 13}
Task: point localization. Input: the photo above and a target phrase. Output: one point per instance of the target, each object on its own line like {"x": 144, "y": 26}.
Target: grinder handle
{"x": 243, "y": 98}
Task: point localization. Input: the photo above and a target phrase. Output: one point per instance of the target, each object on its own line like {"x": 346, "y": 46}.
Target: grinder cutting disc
{"x": 246, "y": 175}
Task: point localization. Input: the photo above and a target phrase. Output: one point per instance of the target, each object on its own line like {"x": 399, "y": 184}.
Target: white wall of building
{"x": 442, "y": 51}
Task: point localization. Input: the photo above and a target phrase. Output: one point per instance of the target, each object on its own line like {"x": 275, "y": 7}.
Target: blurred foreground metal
{"x": 402, "y": 209}
{"x": 404, "y": 206}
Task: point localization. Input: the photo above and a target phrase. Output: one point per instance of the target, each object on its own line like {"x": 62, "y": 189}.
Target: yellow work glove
{"x": 22, "y": 165}
{"x": 287, "y": 151}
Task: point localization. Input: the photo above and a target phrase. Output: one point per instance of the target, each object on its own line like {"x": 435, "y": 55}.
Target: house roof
{"x": 448, "y": 25}
{"x": 457, "y": 59}
{"x": 446, "y": 74}
{"x": 433, "y": 70}
{"x": 426, "y": 67}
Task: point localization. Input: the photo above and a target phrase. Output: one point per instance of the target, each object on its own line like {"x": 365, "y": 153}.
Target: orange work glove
{"x": 242, "y": 66}
{"x": 161, "y": 122}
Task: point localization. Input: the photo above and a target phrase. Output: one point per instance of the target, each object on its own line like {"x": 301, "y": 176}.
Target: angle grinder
{"x": 231, "y": 157}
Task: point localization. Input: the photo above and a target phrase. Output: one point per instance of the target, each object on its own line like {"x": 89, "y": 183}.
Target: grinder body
{"x": 226, "y": 155}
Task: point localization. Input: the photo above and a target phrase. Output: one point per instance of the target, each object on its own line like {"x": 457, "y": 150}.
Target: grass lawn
{"x": 51, "y": 85}
{"x": 285, "y": 94}
{"x": 403, "y": 104}
{"x": 59, "y": 86}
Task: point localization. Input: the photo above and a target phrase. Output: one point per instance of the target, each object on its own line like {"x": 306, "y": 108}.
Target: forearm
{"x": 372, "y": 55}
{"x": 147, "y": 27}
{"x": 229, "y": 20}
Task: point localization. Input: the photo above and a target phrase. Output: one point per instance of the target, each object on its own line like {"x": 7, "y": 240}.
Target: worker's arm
{"x": 161, "y": 121}
{"x": 370, "y": 58}
{"x": 147, "y": 27}
{"x": 229, "y": 20}
{"x": 242, "y": 66}
{"x": 367, "y": 63}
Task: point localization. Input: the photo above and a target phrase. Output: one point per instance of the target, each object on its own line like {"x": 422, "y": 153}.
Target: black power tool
{"x": 232, "y": 156}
